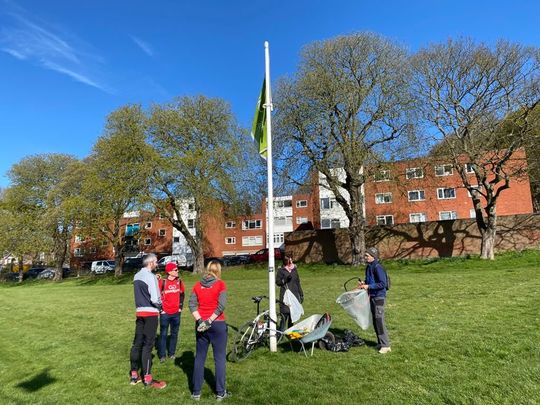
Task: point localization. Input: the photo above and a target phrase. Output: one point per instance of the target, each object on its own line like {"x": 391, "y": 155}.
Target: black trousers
{"x": 143, "y": 342}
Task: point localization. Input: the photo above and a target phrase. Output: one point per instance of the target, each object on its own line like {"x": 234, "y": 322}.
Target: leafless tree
{"x": 477, "y": 100}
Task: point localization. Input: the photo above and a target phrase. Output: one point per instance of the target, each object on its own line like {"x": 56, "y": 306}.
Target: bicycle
{"x": 255, "y": 333}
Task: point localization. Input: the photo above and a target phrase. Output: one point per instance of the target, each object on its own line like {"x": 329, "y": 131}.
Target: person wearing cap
{"x": 172, "y": 297}
{"x": 376, "y": 284}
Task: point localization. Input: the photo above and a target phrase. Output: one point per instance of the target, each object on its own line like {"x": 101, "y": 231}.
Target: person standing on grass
{"x": 376, "y": 284}
{"x": 207, "y": 303}
{"x": 148, "y": 306}
{"x": 172, "y": 296}
{"x": 287, "y": 278}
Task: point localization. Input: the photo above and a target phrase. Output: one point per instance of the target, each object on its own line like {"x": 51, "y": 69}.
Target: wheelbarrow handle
{"x": 349, "y": 280}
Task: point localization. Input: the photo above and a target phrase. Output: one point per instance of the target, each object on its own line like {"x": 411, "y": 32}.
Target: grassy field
{"x": 462, "y": 331}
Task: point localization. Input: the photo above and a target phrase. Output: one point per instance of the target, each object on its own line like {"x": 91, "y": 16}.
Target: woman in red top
{"x": 207, "y": 303}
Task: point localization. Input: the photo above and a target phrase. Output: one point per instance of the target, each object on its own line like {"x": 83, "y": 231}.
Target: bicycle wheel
{"x": 245, "y": 341}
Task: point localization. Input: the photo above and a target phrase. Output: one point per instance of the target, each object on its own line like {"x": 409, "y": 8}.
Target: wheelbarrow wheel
{"x": 329, "y": 338}
{"x": 245, "y": 341}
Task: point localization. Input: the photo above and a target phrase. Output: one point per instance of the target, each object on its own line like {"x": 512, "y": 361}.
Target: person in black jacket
{"x": 287, "y": 278}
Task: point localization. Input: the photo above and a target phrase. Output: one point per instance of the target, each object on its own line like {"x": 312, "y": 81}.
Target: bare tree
{"x": 468, "y": 95}
{"x": 348, "y": 103}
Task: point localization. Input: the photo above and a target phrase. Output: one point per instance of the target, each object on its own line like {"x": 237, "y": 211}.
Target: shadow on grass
{"x": 105, "y": 280}
{"x": 186, "y": 363}
{"x": 37, "y": 382}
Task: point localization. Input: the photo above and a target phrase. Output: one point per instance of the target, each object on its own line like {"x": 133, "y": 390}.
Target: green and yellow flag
{"x": 258, "y": 129}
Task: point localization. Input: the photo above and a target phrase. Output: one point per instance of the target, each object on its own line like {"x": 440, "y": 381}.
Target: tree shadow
{"x": 186, "y": 362}
{"x": 320, "y": 245}
{"x": 37, "y": 382}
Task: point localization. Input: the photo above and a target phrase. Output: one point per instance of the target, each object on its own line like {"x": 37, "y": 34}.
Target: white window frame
{"x": 282, "y": 203}
{"x": 469, "y": 168}
{"x": 383, "y": 198}
{"x": 191, "y": 207}
{"x": 479, "y": 188}
{"x": 302, "y": 220}
{"x": 420, "y": 197}
{"x": 331, "y": 222}
{"x": 162, "y": 232}
{"x": 148, "y": 225}
{"x": 422, "y": 214}
{"x": 301, "y": 204}
{"x": 230, "y": 240}
{"x": 383, "y": 219}
{"x": 247, "y": 222}
{"x": 147, "y": 241}
{"x": 331, "y": 203}
{"x": 78, "y": 239}
{"x": 382, "y": 175}
{"x": 279, "y": 239}
{"x": 283, "y": 221}
{"x": 472, "y": 213}
{"x": 252, "y": 240}
{"x": 78, "y": 252}
{"x": 453, "y": 215}
{"x": 191, "y": 223}
{"x": 441, "y": 196}
{"x": 445, "y": 171}
{"x": 230, "y": 224}
{"x": 93, "y": 249}
{"x": 412, "y": 173}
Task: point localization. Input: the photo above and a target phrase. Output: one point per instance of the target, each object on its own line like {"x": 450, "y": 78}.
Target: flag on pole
{"x": 258, "y": 129}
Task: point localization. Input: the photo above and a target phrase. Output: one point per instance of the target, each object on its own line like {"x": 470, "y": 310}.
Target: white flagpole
{"x": 270, "y": 204}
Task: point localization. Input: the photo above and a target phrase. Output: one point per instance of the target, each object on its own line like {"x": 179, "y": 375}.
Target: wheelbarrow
{"x": 310, "y": 330}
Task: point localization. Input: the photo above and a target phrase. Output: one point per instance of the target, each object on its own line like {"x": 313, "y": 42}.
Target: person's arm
{"x": 153, "y": 290}
{"x": 194, "y": 306}
{"x": 282, "y": 277}
{"x": 299, "y": 286}
{"x": 182, "y": 296}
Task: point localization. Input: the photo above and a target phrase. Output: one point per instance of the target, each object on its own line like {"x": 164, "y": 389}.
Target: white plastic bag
{"x": 296, "y": 309}
{"x": 356, "y": 304}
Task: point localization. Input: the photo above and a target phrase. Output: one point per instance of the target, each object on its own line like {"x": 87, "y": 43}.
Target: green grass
{"x": 462, "y": 331}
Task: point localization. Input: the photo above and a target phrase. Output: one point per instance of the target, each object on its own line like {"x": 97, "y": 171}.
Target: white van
{"x": 183, "y": 261}
{"x": 102, "y": 266}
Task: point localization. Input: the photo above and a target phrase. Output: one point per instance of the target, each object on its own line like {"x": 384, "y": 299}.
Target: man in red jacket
{"x": 172, "y": 298}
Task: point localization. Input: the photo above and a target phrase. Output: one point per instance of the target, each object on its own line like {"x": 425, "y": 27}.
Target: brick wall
{"x": 429, "y": 239}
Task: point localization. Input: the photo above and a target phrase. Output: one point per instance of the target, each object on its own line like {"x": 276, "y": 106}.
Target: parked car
{"x": 209, "y": 259}
{"x": 132, "y": 264}
{"x": 13, "y": 276}
{"x": 235, "y": 260}
{"x": 102, "y": 266}
{"x": 48, "y": 273}
{"x": 183, "y": 261}
{"x": 33, "y": 272}
{"x": 262, "y": 255}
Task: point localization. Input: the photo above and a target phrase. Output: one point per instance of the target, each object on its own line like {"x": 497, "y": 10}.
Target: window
{"x": 385, "y": 220}
{"x": 132, "y": 229}
{"x": 252, "y": 241}
{"x": 252, "y": 224}
{"x": 446, "y": 193}
{"x": 282, "y": 221}
{"x": 104, "y": 243}
{"x": 382, "y": 175}
{"x": 414, "y": 173}
{"x": 78, "y": 252}
{"x": 162, "y": 232}
{"x": 444, "y": 170}
{"x": 283, "y": 204}
{"x": 383, "y": 198}
{"x": 279, "y": 238}
{"x": 469, "y": 168}
{"x": 447, "y": 215}
{"x": 191, "y": 223}
{"x": 417, "y": 217}
{"x": 176, "y": 239}
{"x": 416, "y": 195}
{"x": 191, "y": 206}
{"x": 476, "y": 190}
{"x": 472, "y": 213}
{"x": 328, "y": 203}
{"x": 147, "y": 241}
{"x": 328, "y": 223}
{"x": 301, "y": 204}
{"x": 230, "y": 240}
{"x": 78, "y": 238}
{"x": 301, "y": 220}
{"x": 93, "y": 250}
{"x": 148, "y": 225}
{"x": 230, "y": 224}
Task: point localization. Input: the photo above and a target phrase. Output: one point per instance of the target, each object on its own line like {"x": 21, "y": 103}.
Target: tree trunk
{"x": 118, "y": 261}
{"x": 21, "y": 268}
{"x": 488, "y": 239}
{"x": 198, "y": 258}
{"x": 357, "y": 222}
{"x": 358, "y": 243}
{"x": 61, "y": 257}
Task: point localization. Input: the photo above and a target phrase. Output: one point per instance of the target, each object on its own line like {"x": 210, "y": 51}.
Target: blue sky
{"x": 64, "y": 64}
